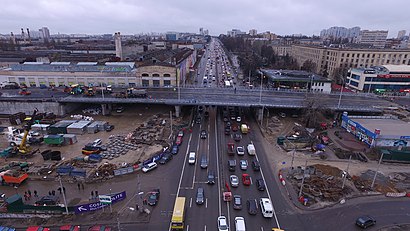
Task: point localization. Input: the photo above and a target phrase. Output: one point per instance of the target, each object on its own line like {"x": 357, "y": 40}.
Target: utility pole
{"x": 375, "y": 174}
{"x": 110, "y": 203}
{"x": 340, "y": 96}
{"x": 347, "y": 172}
{"x": 62, "y": 189}
{"x": 170, "y": 117}
{"x": 303, "y": 180}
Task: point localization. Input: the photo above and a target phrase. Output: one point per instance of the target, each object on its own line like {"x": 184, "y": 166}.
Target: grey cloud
{"x": 136, "y": 16}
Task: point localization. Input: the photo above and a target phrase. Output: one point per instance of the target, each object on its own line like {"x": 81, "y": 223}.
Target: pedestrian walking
{"x": 64, "y": 190}
{"x": 49, "y": 193}
{"x": 78, "y": 185}
{"x": 92, "y": 194}
{"x": 29, "y": 193}
{"x": 96, "y": 193}
{"x": 53, "y": 192}
{"x": 25, "y": 197}
{"x": 82, "y": 186}
{"x": 234, "y": 90}
{"x": 137, "y": 207}
{"x": 59, "y": 189}
{"x": 35, "y": 193}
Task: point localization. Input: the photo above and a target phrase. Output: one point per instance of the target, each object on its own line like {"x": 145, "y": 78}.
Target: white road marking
{"x": 217, "y": 169}
{"x": 183, "y": 166}
{"x": 206, "y": 202}
{"x": 229, "y": 214}
{"x": 205, "y": 228}
{"x": 190, "y": 202}
{"x": 187, "y": 227}
{"x": 267, "y": 190}
{"x": 261, "y": 228}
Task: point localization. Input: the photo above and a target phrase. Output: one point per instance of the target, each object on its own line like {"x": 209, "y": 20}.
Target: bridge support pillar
{"x": 105, "y": 109}
{"x": 177, "y": 111}
{"x": 260, "y": 114}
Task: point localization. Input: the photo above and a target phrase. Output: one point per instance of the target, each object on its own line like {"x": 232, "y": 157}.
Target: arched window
{"x": 155, "y": 75}
{"x": 167, "y": 75}
{"x": 145, "y": 75}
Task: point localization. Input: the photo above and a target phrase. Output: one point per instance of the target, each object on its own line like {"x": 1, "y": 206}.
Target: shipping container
{"x": 78, "y": 127}
{"x": 54, "y": 139}
{"x": 70, "y": 139}
{"x": 60, "y": 127}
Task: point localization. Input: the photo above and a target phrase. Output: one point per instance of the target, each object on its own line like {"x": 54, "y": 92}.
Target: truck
{"x": 231, "y": 149}
{"x": 251, "y": 149}
{"x": 13, "y": 178}
{"x": 244, "y": 129}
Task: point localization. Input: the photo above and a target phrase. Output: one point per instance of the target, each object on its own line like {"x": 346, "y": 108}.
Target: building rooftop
{"x": 388, "y": 127}
{"x": 398, "y": 68}
{"x": 293, "y": 76}
{"x": 74, "y": 67}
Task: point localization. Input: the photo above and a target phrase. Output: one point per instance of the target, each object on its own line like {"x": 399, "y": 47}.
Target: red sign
{"x": 393, "y": 76}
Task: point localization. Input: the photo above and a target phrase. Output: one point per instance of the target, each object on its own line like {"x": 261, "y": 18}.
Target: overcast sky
{"x": 282, "y": 17}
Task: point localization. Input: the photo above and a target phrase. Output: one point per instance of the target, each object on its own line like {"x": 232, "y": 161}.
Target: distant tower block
{"x": 118, "y": 46}
{"x": 23, "y": 36}
{"x": 12, "y": 38}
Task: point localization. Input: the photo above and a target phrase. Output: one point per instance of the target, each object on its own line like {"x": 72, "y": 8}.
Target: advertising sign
{"x": 90, "y": 207}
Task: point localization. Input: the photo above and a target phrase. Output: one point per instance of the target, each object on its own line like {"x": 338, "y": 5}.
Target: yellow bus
{"x": 178, "y": 216}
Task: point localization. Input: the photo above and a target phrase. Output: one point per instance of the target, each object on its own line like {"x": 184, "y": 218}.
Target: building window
{"x": 167, "y": 75}
{"x": 145, "y": 75}
{"x": 155, "y": 75}
{"x": 155, "y": 83}
{"x": 167, "y": 82}
{"x": 145, "y": 83}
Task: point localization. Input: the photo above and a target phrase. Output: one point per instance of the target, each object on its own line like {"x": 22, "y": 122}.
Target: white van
{"x": 191, "y": 158}
{"x": 266, "y": 207}
{"x": 240, "y": 224}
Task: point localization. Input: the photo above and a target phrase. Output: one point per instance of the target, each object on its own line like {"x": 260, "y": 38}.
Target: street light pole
{"x": 340, "y": 96}
{"x": 347, "y": 172}
{"x": 303, "y": 180}
{"x": 62, "y": 189}
{"x": 375, "y": 174}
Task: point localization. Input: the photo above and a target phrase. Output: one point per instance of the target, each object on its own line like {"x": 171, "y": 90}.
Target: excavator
{"x": 24, "y": 150}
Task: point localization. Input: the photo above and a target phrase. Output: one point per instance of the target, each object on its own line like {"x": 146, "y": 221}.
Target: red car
{"x": 99, "y": 228}
{"x": 70, "y": 228}
{"x": 179, "y": 140}
{"x": 37, "y": 228}
{"x": 246, "y": 179}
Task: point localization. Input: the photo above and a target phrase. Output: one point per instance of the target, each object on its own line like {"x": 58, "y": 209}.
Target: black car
{"x": 153, "y": 197}
{"x": 252, "y": 206}
{"x": 200, "y": 196}
{"x": 204, "y": 134}
{"x": 200, "y": 109}
{"x": 206, "y": 114}
{"x": 165, "y": 158}
{"x": 227, "y": 131}
{"x": 211, "y": 178}
{"x": 260, "y": 183}
{"x": 237, "y": 202}
{"x": 174, "y": 150}
{"x": 198, "y": 120}
{"x": 47, "y": 200}
{"x": 365, "y": 221}
{"x": 255, "y": 165}
{"x": 237, "y": 137}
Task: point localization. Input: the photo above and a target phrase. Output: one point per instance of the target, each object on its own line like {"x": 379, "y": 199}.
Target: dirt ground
{"x": 125, "y": 122}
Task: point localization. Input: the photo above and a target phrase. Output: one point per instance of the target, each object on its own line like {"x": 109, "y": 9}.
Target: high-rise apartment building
{"x": 44, "y": 34}
{"x": 253, "y": 32}
{"x": 340, "y": 32}
{"x": 401, "y": 34}
{"x": 376, "y": 38}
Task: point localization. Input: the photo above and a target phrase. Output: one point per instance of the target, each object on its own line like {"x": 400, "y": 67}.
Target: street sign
{"x": 90, "y": 207}
{"x": 105, "y": 199}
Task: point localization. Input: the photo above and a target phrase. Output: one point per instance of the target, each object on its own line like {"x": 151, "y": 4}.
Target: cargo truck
{"x": 13, "y": 178}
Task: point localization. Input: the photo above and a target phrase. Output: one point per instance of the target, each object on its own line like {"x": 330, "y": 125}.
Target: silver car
{"x": 234, "y": 181}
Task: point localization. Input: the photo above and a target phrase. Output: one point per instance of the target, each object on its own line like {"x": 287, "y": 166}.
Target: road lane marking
{"x": 187, "y": 227}
{"x": 261, "y": 228}
{"x": 205, "y": 228}
{"x": 206, "y": 202}
{"x": 183, "y": 165}
{"x": 190, "y": 203}
{"x": 217, "y": 166}
{"x": 267, "y": 190}
{"x": 229, "y": 214}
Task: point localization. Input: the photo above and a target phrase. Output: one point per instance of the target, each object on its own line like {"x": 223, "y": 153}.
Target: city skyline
{"x": 135, "y": 17}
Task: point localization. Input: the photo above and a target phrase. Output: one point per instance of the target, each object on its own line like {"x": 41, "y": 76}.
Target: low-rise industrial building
{"x": 378, "y": 131}
{"x": 393, "y": 78}
{"x": 297, "y": 80}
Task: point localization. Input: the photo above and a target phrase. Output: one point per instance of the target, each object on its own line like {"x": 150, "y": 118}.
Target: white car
{"x": 234, "y": 181}
{"x": 191, "y": 158}
{"x": 149, "y": 167}
{"x": 238, "y": 119}
{"x": 222, "y": 224}
{"x": 243, "y": 164}
{"x": 240, "y": 150}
